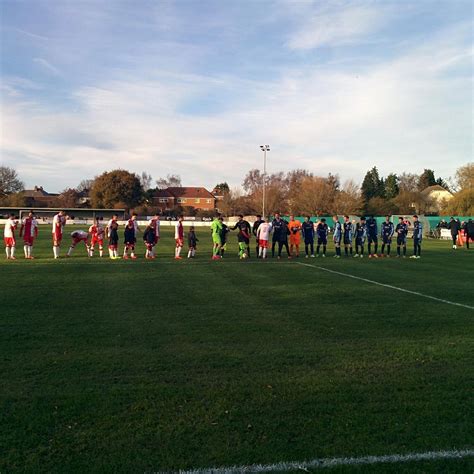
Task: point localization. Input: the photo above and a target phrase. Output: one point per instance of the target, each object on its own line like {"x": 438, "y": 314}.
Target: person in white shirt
{"x": 263, "y": 235}
{"x": 77, "y": 237}
{"x": 9, "y": 237}
{"x": 59, "y": 221}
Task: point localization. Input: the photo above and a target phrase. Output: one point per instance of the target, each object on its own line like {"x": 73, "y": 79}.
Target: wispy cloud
{"x": 173, "y": 96}
{"x": 335, "y": 24}
{"x": 46, "y": 65}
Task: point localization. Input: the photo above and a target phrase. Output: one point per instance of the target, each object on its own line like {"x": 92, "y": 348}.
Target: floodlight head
{"x": 262, "y": 147}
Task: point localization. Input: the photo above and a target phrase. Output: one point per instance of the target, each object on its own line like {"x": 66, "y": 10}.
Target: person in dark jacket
{"x": 454, "y": 226}
{"x": 469, "y": 231}
{"x": 280, "y": 235}
{"x": 149, "y": 239}
{"x": 308, "y": 234}
{"x": 192, "y": 242}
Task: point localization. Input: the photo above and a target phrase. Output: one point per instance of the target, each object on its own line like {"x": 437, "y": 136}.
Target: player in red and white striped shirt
{"x": 29, "y": 231}
{"x": 96, "y": 233}
{"x": 179, "y": 238}
{"x": 59, "y": 221}
{"x": 9, "y": 236}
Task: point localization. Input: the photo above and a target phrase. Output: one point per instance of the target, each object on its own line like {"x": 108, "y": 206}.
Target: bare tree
{"x": 171, "y": 181}
{"x": 146, "y": 180}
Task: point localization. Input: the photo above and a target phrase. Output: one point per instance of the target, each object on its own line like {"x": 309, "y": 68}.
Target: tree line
{"x": 297, "y": 191}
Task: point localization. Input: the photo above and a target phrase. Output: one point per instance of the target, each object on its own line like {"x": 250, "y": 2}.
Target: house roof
{"x": 190, "y": 192}
{"x": 37, "y": 192}
{"x": 435, "y": 187}
{"x": 163, "y": 193}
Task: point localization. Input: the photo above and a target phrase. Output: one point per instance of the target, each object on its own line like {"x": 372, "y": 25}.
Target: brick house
{"x": 195, "y": 197}
{"x": 38, "y": 197}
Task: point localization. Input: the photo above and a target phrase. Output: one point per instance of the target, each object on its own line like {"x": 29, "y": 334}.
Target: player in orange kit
{"x": 294, "y": 227}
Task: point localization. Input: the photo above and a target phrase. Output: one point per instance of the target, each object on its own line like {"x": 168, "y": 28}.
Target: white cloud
{"x": 47, "y": 66}
{"x": 401, "y": 115}
{"x": 334, "y": 24}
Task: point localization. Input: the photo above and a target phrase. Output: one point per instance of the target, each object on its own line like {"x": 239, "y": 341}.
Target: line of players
{"x": 345, "y": 234}
{"x": 289, "y": 235}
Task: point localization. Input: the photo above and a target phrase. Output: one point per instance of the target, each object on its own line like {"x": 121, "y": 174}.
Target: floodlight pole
{"x": 264, "y": 148}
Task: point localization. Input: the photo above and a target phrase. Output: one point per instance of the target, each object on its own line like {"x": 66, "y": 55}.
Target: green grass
{"x": 133, "y": 366}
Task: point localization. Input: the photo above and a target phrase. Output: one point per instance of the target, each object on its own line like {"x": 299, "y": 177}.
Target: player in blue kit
{"x": 417, "y": 237}
{"x": 372, "y": 236}
{"x": 337, "y": 236}
{"x": 322, "y": 231}
{"x": 307, "y": 229}
{"x": 360, "y": 236}
{"x": 402, "y": 232}
{"x": 386, "y": 232}
{"x": 348, "y": 235}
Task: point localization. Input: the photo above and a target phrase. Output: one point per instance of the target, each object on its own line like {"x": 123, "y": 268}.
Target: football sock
{"x": 324, "y": 250}
{"x": 190, "y": 253}
{"x": 346, "y": 251}
{"x": 264, "y": 253}
{"x": 388, "y": 249}
{"x": 398, "y": 250}
{"x": 350, "y": 249}
{"x": 7, "y": 251}
{"x": 69, "y": 252}
{"x": 25, "y": 248}
{"x": 383, "y": 248}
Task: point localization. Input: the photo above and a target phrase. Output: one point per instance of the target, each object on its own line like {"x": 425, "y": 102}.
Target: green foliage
{"x": 462, "y": 204}
{"x": 117, "y": 188}
{"x": 9, "y": 181}
{"x": 372, "y": 186}
{"x": 427, "y": 178}
{"x": 222, "y": 188}
{"x": 391, "y": 186}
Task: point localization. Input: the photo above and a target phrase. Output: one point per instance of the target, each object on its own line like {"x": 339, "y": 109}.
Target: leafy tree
{"x": 68, "y": 198}
{"x": 465, "y": 176}
{"x": 462, "y": 204}
{"x": 391, "y": 186}
{"x": 171, "y": 181}
{"x": 380, "y": 206}
{"x": 222, "y": 188}
{"x": 427, "y": 178}
{"x": 116, "y": 188}
{"x": 348, "y": 200}
{"x": 316, "y": 196}
{"x": 9, "y": 181}
{"x": 441, "y": 182}
{"x": 372, "y": 186}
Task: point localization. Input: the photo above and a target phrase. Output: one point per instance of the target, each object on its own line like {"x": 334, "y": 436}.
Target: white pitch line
{"x": 333, "y": 462}
{"x": 373, "y": 282}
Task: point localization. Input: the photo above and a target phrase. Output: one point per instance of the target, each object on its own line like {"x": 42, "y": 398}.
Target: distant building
{"x": 38, "y": 197}
{"x": 437, "y": 196}
{"x": 195, "y": 197}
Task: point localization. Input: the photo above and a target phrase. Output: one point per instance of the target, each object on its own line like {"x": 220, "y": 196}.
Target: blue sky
{"x": 194, "y": 87}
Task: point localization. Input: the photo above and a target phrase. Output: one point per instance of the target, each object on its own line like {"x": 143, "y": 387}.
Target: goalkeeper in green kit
{"x": 216, "y": 228}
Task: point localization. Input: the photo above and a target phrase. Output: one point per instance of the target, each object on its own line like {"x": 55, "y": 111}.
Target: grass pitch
{"x": 141, "y": 366}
